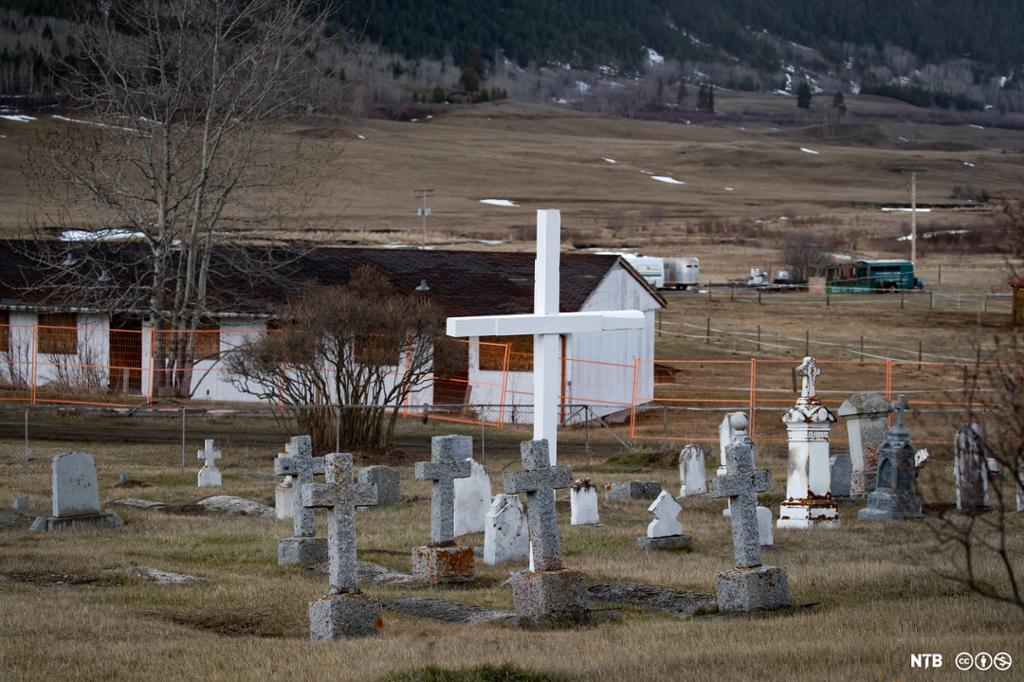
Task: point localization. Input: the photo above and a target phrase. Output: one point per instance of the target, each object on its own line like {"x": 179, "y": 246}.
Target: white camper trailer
{"x": 651, "y": 268}
{"x": 681, "y": 273}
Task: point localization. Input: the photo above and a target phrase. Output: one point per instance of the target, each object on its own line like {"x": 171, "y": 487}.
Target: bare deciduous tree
{"x": 362, "y": 347}
{"x": 173, "y": 102}
{"x": 806, "y": 255}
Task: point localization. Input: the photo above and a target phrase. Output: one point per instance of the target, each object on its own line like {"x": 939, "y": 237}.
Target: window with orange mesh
{"x": 58, "y": 333}
{"x": 207, "y": 341}
{"x": 5, "y": 331}
{"x": 492, "y": 357}
{"x": 376, "y": 350}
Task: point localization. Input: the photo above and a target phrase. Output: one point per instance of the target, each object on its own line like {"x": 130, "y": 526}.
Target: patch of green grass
{"x": 637, "y": 461}
{"x": 481, "y": 673}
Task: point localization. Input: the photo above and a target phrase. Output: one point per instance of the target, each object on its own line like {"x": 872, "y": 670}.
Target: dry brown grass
{"x": 879, "y": 598}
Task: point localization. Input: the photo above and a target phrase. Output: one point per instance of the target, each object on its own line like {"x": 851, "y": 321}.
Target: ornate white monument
{"x": 808, "y": 487}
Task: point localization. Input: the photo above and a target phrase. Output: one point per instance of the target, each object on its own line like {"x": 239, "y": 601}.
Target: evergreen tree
{"x": 470, "y": 79}
{"x": 839, "y": 103}
{"x": 439, "y": 95}
{"x": 702, "y": 97}
{"x": 711, "y": 99}
{"x": 682, "y": 95}
{"x": 803, "y": 94}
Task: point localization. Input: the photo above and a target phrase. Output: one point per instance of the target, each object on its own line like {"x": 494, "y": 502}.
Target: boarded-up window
{"x": 207, "y": 341}
{"x": 492, "y": 357}
{"x": 376, "y": 350}
{"x": 58, "y": 333}
{"x": 5, "y": 331}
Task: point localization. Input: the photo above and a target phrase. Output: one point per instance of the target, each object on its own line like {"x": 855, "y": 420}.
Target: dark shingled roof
{"x": 462, "y": 282}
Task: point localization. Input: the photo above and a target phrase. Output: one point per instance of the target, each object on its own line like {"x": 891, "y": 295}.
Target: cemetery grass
{"x": 72, "y": 610}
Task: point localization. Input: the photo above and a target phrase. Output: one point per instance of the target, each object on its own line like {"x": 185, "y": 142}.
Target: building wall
{"x": 599, "y": 366}
{"x": 84, "y": 370}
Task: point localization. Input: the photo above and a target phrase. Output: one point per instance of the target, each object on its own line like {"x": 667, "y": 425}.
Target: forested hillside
{"x": 588, "y": 33}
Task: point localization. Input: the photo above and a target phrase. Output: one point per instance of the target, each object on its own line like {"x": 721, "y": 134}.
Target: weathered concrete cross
{"x": 341, "y": 496}
{"x": 740, "y": 484}
{"x": 901, "y": 405}
{"x": 810, "y": 371}
{"x": 546, "y": 325}
{"x": 448, "y": 461}
{"x": 302, "y": 465}
{"x": 539, "y": 480}
{"x": 209, "y": 453}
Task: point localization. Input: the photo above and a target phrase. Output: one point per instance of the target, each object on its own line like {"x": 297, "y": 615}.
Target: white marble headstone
{"x": 75, "y": 491}
{"x": 583, "y": 505}
{"x": 665, "y": 510}
{"x": 472, "y": 500}
{"x": 692, "y": 472}
{"x": 764, "y": 526}
{"x": 506, "y": 535}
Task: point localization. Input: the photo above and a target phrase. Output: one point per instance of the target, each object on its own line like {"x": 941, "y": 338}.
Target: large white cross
{"x": 546, "y": 325}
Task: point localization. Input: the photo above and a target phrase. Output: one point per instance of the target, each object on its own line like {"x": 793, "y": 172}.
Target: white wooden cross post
{"x": 546, "y": 325}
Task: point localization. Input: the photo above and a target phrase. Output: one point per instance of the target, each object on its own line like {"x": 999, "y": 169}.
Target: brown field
{"x": 70, "y": 611}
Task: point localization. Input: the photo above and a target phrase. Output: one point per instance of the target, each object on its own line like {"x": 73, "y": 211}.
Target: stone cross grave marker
{"x": 443, "y": 561}
{"x": 741, "y": 483}
{"x": 340, "y": 496}
{"x": 449, "y": 460}
{"x": 547, "y": 325}
{"x": 343, "y": 612}
{"x": 302, "y": 466}
{"x": 750, "y": 585}
{"x": 548, "y": 593}
{"x": 209, "y": 475}
{"x": 539, "y": 480}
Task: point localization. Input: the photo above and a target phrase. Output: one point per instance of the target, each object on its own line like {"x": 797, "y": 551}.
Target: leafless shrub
{"x": 362, "y": 347}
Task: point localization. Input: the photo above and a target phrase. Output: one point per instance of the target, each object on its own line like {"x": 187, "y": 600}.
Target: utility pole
{"x": 424, "y": 211}
{"x": 913, "y": 218}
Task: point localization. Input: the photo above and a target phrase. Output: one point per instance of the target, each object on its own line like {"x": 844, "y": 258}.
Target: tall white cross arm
{"x": 546, "y": 325}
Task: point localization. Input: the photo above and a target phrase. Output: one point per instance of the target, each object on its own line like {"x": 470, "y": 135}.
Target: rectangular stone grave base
{"x": 886, "y": 505}
{"x": 669, "y": 543}
{"x": 49, "y": 524}
{"x": 551, "y": 598}
{"x": 751, "y": 589}
{"x": 442, "y": 565}
{"x": 337, "y": 616}
{"x": 812, "y": 514}
{"x": 301, "y": 551}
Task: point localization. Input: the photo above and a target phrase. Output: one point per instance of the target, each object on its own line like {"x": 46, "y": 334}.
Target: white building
{"x": 65, "y": 350}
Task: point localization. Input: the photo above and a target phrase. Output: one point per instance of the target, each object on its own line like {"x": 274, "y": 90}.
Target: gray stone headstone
{"x": 624, "y": 491}
{"x": 867, "y": 421}
{"x": 75, "y": 491}
{"x": 76, "y": 497}
{"x": 387, "y": 480}
{"x": 539, "y": 480}
{"x": 449, "y": 460}
{"x": 970, "y": 470}
{"x": 842, "y": 468}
